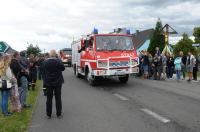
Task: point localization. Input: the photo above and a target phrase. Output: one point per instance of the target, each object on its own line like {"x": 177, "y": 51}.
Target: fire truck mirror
{"x": 87, "y": 43}
{"x": 82, "y": 43}
{"x": 83, "y": 46}
{"x": 79, "y": 47}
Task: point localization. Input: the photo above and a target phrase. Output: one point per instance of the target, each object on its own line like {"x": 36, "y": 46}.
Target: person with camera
{"x": 21, "y": 75}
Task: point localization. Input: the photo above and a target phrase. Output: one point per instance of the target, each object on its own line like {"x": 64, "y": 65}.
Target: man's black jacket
{"x": 15, "y": 67}
{"x": 52, "y": 72}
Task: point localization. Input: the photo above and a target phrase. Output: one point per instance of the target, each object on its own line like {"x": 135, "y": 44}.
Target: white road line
{"x": 121, "y": 97}
{"x": 155, "y": 115}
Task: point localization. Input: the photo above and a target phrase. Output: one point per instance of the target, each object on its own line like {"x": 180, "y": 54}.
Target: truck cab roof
{"x": 67, "y": 49}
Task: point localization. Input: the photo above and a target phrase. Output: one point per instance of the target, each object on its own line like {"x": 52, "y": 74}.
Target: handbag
{"x": 5, "y": 84}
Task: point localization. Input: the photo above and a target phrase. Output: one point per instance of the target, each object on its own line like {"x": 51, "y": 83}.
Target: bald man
{"x": 53, "y": 79}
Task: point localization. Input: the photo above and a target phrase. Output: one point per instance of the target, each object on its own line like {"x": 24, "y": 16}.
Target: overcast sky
{"x": 52, "y": 24}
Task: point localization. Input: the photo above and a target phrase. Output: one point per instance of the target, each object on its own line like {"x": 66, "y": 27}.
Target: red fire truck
{"x": 104, "y": 55}
{"x": 66, "y": 56}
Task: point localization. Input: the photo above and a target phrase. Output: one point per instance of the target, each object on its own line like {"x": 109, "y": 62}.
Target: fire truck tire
{"x": 91, "y": 79}
{"x": 78, "y": 75}
{"x": 124, "y": 79}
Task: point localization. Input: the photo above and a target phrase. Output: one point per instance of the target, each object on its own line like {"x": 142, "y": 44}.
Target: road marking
{"x": 155, "y": 115}
{"x": 121, "y": 97}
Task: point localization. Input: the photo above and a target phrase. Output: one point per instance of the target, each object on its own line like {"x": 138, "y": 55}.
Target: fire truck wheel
{"x": 91, "y": 79}
{"x": 76, "y": 71}
{"x": 124, "y": 79}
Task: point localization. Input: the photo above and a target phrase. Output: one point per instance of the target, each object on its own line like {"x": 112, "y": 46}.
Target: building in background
{"x": 141, "y": 39}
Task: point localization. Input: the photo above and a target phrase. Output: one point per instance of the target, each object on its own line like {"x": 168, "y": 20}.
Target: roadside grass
{"x": 198, "y": 74}
{"x": 19, "y": 122}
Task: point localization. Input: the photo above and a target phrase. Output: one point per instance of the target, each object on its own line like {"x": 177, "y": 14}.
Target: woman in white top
{"x": 5, "y": 85}
{"x": 15, "y": 105}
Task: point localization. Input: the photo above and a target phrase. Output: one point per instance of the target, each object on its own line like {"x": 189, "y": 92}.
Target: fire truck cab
{"x": 104, "y": 55}
{"x": 66, "y": 56}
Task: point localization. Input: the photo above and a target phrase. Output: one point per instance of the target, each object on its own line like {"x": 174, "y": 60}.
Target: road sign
{"x": 3, "y": 47}
{"x": 196, "y": 45}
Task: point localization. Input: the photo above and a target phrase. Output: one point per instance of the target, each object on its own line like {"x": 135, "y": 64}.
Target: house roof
{"x": 140, "y": 37}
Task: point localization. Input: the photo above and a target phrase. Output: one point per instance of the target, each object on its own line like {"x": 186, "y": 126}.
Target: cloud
{"x": 54, "y": 23}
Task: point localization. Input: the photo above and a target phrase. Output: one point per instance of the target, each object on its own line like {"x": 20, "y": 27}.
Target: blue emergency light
{"x": 128, "y": 31}
{"x": 95, "y": 31}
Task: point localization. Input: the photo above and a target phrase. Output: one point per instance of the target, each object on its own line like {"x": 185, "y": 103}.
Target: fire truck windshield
{"x": 114, "y": 43}
{"x": 69, "y": 52}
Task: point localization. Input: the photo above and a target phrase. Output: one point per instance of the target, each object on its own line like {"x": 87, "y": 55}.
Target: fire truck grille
{"x": 119, "y": 64}
{"x": 116, "y": 64}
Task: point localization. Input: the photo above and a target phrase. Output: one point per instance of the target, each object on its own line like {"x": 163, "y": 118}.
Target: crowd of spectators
{"x": 163, "y": 66}
{"x": 18, "y": 74}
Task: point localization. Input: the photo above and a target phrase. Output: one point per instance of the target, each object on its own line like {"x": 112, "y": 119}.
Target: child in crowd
{"x": 177, "y": 63}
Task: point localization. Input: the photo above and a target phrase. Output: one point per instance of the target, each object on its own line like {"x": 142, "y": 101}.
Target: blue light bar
{"x": 95, "y": 31}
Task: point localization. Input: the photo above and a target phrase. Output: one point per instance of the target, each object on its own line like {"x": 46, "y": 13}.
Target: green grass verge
{"x": 198, "y": 74}
{"x": 19, "y": 122}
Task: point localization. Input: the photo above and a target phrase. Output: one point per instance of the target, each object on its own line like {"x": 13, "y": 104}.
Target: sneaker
{"x": 59, "y": 116}
{"x": 8, "y": 114}
{"x": 48, "y": 117}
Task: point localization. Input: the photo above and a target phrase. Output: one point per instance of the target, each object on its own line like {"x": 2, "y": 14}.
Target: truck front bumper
{"x": 115, "y": 72}
{"x": 66, "y": 61}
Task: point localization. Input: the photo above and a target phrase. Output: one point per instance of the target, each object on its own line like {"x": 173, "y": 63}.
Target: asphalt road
{"x": 138, "y": 106}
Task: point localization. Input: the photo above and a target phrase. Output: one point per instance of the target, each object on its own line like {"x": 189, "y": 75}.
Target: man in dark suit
{"x": 53, "y": 80}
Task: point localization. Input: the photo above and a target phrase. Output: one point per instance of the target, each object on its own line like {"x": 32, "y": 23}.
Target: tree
{"x": 35, "y": 50}
{"x": 196, "y": 33}
{"x": 158, "y": 38}
{"x": 185, "y": 45}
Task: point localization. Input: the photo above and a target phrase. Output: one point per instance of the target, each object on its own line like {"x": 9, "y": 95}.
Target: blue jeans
{"x": 23, "y": 90}
{"x": 178, "y": 74}
{"x": 4, "y": 101}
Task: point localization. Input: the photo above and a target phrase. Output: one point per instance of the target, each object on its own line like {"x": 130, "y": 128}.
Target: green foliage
{"x": 35, "y": 50}
{"x": 196, "y": 33}
{"x": 198, "y": 52}
{"x": 158, "y": 39}
{"x": 185, "y": 45}
{"x": 19, "y": 122}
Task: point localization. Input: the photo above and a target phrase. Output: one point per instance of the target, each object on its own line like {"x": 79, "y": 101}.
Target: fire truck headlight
{"x": 101, "y": 72}
{"x": 102, "y": 64}
{"x": 67, "y": 55}
{"x": 134, "y": 62}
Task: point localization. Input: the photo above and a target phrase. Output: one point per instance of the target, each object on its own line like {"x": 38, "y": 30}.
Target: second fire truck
{"x": 104, "y": 55}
